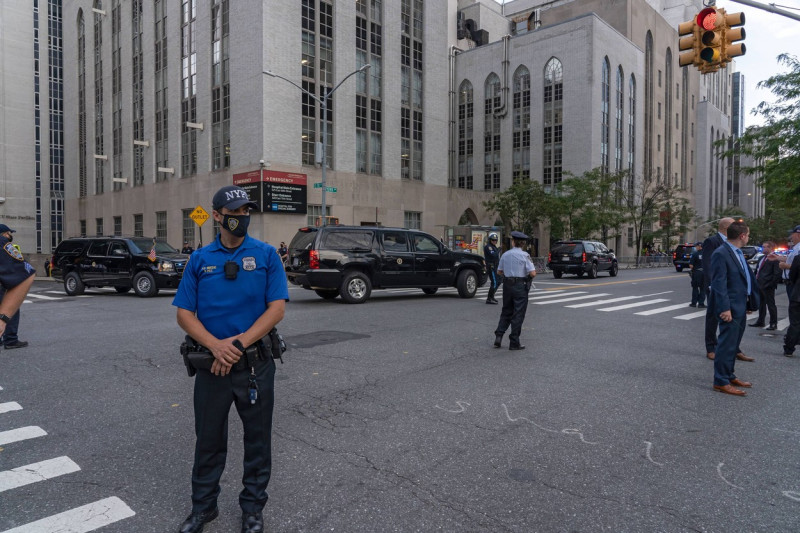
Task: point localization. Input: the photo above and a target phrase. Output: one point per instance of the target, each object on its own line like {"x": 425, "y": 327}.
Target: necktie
{"x": 743, "y": 264}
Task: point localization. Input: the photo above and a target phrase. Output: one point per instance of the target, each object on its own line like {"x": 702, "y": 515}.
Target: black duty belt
{"x": 516, "y": 280}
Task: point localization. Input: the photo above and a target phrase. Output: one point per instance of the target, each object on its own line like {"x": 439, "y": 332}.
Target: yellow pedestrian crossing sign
{"x": 199, "y": 215}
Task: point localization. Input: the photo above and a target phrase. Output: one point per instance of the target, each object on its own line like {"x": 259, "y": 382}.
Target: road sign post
{"x": 199, "y": 215}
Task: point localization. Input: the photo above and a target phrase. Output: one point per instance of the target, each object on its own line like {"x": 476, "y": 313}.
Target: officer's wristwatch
{"x": 5, "y": 318}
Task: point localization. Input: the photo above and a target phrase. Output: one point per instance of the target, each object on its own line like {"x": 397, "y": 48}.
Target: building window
{"x": 99, "y": 178}
{"x": 161, "y": 225}
{"x": 188, "y": 87}
{"x": 465, "y": 135}
{"x": 631, "y": 134}
{"x": 56, "y": 111}
{"x": 411, "y": 119}
{"x": 116, "y": 95}
{"x": 553, "y": 119}
{"x": 160, "y": 81}
{"x": 604, "y": 119}
{"x": 630, "y": 237}
{"x": 317, "y": 69}
{"x": 83, "y": 228}
{"x": 491, "y": 134}
{"x": 618, "y": 122}
{"x": 667, "y": 116}
{"x": 314, "y": 212}
{"x": 137, "y": 115}
{"x": 521, "y": 141}
{"x": 220, "y": 86}
{"x": 412, "y": 219}
{"x": 648, "y": 106}
{"x": 82, "y": 145}
{"x": 117, "y": 226}
{"x": 369, "y": 104}
{"x": 188, "y": 227}
{"x": 99, "y": 223}
{"x": 138, "y": 225}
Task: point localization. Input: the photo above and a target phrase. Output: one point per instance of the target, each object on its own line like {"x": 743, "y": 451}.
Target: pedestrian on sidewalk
{"x": 16, "y": 278}
{"x": 518, "y": 272}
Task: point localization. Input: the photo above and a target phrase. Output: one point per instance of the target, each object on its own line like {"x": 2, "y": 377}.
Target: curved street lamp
{"x": 323, "y": 102}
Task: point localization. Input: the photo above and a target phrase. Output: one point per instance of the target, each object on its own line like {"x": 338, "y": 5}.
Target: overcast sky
{"x": 768, "y": 35}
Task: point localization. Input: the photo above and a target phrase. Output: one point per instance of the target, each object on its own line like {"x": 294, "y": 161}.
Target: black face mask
{"x": 10, "y": 237}
{"x": 236, "y": 224}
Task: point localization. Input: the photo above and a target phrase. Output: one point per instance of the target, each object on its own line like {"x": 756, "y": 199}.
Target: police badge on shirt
{"x": 249, "y": 263}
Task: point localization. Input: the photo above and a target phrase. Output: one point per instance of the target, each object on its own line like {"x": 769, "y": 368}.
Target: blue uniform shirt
{"x": 228, "y": 307}
{"x": 516, "y": 263}
{"x": 13, "y": 267}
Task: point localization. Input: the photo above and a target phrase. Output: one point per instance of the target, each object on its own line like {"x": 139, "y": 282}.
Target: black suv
{"x": 352, "y": 260}
{"x": 119, "y": 262}
{"x": 581, "y": 257}
{"x": 682, "y": 255}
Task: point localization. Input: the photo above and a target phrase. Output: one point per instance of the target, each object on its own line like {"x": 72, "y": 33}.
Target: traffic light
{"x": 711, "y": 23}
{"x": 689, "y": 40}
{"x": 733, "y": 33}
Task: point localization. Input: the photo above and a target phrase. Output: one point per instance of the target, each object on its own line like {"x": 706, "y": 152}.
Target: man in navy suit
{"x": 768, "y": 275}
{"x": 709, "y": 246}
{"x": 731, "y": 284}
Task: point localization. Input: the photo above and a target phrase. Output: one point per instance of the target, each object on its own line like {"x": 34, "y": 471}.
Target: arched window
{"x": 604, "y": 120}
{"x": 668, "y": 96}
{"x": 99, "y": 177}
{"x": 522, "y": 121}
{"x": 491, "y": 134}
{"x": 82, "y": 170}
{"x": 465, "y": 128}
{"x": 648, "y": 106}
{"x": 553, "y": 120}
{"x": 619, "y": 109}
{"x": 631, "y": 134}
{"x": 137, "y": 86}
{"x": 684, "y": 127}
{"x": 711, "y": 178}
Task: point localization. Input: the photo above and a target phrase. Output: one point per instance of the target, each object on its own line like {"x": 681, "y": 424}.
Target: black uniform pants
{"x": 213, "y": 396}
{"x": 792, "y": 336}
{"x": 698, "y": 290}
{"x": 767, "y": 302}
{"x": 515, "y": 304}
{"x": 494, "y": 281}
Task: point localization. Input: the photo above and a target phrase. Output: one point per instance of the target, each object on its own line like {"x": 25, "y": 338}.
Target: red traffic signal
{"x": 711, "y": 23}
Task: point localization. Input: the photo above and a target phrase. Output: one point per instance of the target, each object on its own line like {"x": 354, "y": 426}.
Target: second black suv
{"x": 119, "y": 262}
{"x": 581, "y": 257}
{"x": 352, "y": 260}
{"x": 682, "y": 255}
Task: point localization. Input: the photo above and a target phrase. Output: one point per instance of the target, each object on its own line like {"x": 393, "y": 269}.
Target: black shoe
{"x": 498, "y": 340}
{"x": 252, "y": 523}
{"x": 516, "y": 347}
{"x": 17, "y": 344}
{"x": 771, "y": 327}
{"x": 701, "y": 306}
{"x": 757, "y": 325}
{"x": 692, "y": 305}
{"x": 494, "y": 299}
{"x": 788, "y": 354}
{"x": 195, "y": 522}
{"x": 492, "y": 302}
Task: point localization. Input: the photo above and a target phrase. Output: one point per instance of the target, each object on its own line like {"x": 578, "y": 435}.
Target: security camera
{"x": 261, "y": 162}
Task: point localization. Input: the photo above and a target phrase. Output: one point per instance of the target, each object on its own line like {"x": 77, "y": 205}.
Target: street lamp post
{"x": 323, "y": 102}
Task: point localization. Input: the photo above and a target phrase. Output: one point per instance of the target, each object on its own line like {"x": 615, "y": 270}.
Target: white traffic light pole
{"x": 769, "y": 8}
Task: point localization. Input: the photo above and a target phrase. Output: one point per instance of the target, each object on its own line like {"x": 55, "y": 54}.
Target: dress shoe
{"x": 196, "y": 521}
{"x": 498, "y": 340}
{"x": 710, "y": 355}
{"x": 692, "y": 305}
{"x": 771, "y": 327}
{"x": 729, "y": 389}
{"x": 788, "y": 354}
{"x": 742, "y": 357}
{"x": 757, "y": 325}
{"x": 739, "y": 383}
{"x": 492, "y": 302}
{"x": 516, "y": 347}
{"x": 701, "y": 306}
{"x": 16, "y": 344}
{"x": 252, "y": 523}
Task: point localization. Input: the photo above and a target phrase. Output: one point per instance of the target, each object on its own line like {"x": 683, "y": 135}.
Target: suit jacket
{"x": 709, "y": 246}
{"x": 794, "y": 279}
{"x": 769, "y": 274}
{"x": 729, "y": 285}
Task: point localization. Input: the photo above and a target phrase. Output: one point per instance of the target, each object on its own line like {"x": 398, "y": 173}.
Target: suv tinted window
{"x": 601, "y": 247}
{"x": 98, "y": 248}
{"x": 568, "y": 248}
{"x": 117, "y": 248}
{"x": 395, "y": 241}
{"x": 70, "y": 247}
{"x": 425, "y": 244}
{"x": 144, "y": 246}
{"x": 303, "y": 240}
{"x": 346, "y": 240}
{"x": 588, "y": 246}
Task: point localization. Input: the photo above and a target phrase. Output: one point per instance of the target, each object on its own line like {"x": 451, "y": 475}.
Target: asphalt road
{"x": 398, "y": 415}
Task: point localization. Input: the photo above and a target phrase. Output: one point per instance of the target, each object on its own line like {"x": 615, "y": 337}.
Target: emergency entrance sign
{"x": 199, "y": 215}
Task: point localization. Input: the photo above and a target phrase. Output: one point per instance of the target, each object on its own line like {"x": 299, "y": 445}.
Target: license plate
{"x": 295, "y": 261}
{"x": 565, "y": 258}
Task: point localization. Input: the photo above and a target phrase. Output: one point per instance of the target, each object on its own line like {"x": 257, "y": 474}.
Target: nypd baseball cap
{"x": 518, "y": 235}
{"x": 795, "y": 230}
{"x": 4, "y": 229}
{"x": 231, "y": 197}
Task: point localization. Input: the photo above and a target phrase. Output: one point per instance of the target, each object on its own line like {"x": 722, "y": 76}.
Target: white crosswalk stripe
{"x": 19, "y": 434}
{"x": 9, "y": 406}
{"x": 81, "y": 519}
{"x": 572, "y": 299}
{"x": 783, "y": 324}
{"x": 662, "y": 309}
{"x": 32, "y": 473}
{"x": 636, "y": 304}
{"x": 601, "y": 302}
{"x": 691, "y": 315}
{"x": 553, "y": 294}
{"x": 41, "y": 296}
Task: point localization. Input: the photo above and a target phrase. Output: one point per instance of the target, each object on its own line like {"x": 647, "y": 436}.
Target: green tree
{"x": 589, "y": 204}
{"x": 521, "y": 206}
{"x": 642, "y": 201}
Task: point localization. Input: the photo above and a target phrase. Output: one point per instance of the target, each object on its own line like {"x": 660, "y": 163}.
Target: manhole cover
{"x": 320, "y": 338}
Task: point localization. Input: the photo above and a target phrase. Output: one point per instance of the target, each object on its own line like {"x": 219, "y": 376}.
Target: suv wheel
{"x": 73, "y": 285}
{"x": 467, "y": 284}
{"x": 592, "y": 271}
{"x": 614, "y": 270}
{"x": 144, "y": 284}
{"x": 122, "y": 289}
{"x": 356, "y": 288}
{"x": 557, "y": 274}
{"x": 327, "y": 294}
{"x": 430, "y": 290}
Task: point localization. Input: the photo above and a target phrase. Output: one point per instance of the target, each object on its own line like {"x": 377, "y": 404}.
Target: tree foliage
{"x": 521, "y": 206}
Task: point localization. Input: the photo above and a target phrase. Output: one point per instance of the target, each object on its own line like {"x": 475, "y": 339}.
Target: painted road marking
{"x": 637, "y": 304}
{"x": 691, "y": 315}
{"x": 570, "y": 299}
{"x": 41, "y": 297}
{"x": 81, "y": 519}
{"x": 9, "y": 406}
{"x": 551, "y": 294}
{"x": 662, "y": 309}
{"x": 25, "y": 475}
{"x": 599, "y": 302}
{"x": 16, "y": 435}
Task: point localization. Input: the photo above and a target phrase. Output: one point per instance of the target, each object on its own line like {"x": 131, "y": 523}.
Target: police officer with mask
{"x": 233, "y": 292}
{"x": 16, "y": 278}
{"x": 518, "y": 271}
{"x": 491, "y": 253}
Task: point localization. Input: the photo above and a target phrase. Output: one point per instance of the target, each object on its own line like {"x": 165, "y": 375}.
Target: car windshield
{"x": 568, "y": 248}
{"x": 143, "y": 246}
{"x": 303, "y": 240}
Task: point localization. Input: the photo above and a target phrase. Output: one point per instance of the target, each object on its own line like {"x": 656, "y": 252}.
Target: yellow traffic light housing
{"x": 711, "y": 23}
{"x": 690, "y": 40}
{"x": 732, "y": 34}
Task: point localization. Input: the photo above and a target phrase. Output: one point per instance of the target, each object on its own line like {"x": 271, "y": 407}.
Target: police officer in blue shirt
{"x": 491, "y": 253}
{"x": 518, "y": 271}
{"x": 233, "y": 292}
{"x": 16, "y": 278}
